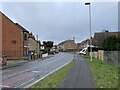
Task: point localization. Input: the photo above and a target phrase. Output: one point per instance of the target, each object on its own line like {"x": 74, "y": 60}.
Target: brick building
{"x": 25, "y": 40}
{"x": 68, "y": 45}
{"x": 11, "y": 39}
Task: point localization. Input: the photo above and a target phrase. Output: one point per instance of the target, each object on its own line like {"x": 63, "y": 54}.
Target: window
{"x": 25, "y": 37}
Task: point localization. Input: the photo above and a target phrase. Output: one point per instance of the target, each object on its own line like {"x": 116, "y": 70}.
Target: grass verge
{"x": 105, "y": 75}
{"x": 54, "y": 79}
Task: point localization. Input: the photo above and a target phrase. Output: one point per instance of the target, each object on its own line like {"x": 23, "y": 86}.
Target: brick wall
{"x": 11, "y": 39}
{"x": 70, "y": 45}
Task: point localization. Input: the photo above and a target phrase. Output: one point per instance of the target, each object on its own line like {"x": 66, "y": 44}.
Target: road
{"x": 28, "y": 73}
{"x": 80, "y": 75}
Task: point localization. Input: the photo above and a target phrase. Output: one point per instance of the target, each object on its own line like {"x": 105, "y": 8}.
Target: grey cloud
{"x": 61, "y": 21}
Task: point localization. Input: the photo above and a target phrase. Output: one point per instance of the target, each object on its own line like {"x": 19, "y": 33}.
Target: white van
{"x": 87, "y": 49}
{"x": 83, "y": 51}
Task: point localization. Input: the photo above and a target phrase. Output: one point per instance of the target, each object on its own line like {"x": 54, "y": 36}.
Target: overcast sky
{"x": 59, "y": 21}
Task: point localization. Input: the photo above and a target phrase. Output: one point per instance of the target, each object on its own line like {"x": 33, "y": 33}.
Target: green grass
{"x": 105, "y": 75}
{"x": 54, "y": 79}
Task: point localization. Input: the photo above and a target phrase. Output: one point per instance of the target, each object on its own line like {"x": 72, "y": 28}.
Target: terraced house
{"x": 16, "y": 41}
{"x": 34, "y": 47}
{"x": 11, "y": 39}
{"x": 25, "y": 40}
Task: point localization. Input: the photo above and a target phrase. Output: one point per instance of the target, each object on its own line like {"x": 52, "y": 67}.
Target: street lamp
{"x": 90, "y": 30}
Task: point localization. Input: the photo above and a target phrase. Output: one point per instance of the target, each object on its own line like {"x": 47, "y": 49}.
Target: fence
{"x": 108, "y": 56}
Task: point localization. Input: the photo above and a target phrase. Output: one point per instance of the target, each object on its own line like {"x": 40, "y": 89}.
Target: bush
{"x": 50, "y": 52}
{"x": 112, "y": 43}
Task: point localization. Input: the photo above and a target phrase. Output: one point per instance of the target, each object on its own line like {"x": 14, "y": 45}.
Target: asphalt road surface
{"x": 80, "y": 75}
{"x": 26, "y": 74}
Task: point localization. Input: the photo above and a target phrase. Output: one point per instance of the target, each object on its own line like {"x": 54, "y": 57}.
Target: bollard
{"x": 4, "y": 61}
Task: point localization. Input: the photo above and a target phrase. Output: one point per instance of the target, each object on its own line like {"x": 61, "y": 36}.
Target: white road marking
{"x": 48, "y": 74}
{"x": 24, "y": 83}
{"x": 4, "y": 86}
{"x": 11, "y": 75}
{"x": 35, "y": 71}
{"x": 40, "y": 78}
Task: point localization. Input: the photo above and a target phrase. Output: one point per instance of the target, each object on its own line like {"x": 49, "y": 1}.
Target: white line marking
{"x": 9, "y": 75}
{"x": 4, "y": 86}
{"x": 24, "y": 83}
{"x": 35, "y": 71}
{"x": 48, "y": 74}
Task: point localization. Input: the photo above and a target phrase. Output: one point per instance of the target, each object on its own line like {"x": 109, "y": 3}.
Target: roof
{"x": 85, "y": 41}
{"x": 64, "y": 42}
{"x": 6, "y": 17}
{"x": 106, "y": 34}
{"x": 13, "y": 22}
{"x": 24, "y": 30}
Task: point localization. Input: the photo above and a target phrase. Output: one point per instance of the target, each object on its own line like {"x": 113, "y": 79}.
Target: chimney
{"x": 74, "y": 39}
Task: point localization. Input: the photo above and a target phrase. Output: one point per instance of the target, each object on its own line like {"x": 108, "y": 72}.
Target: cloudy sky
{"x": 59, "y": 21}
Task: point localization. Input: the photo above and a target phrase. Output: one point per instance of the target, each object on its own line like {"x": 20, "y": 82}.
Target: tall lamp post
{"x": 90, "y": 30}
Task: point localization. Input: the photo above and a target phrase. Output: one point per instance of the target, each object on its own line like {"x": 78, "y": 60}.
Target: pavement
{"x": 80, "y": 76}
{"x": 13, "y": 63}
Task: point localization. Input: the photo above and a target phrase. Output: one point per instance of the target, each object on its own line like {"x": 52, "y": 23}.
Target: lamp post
{"x": 90, "y": 30}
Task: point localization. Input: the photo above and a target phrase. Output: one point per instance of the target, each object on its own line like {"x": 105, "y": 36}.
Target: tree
{"x": 111, "y": 43}
{"x": 48, "y": 45}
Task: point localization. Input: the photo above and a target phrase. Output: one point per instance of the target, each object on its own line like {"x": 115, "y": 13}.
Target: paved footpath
{"x": 80, "y": 75}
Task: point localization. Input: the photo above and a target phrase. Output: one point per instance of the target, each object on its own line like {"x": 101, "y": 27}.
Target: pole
{"x": 90, "y": 33}
{"x": 90, "y": 30}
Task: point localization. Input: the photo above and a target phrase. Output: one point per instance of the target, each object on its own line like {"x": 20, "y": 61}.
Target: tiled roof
{"x": 83, "y": 42}
{"x": 64, "y": 42}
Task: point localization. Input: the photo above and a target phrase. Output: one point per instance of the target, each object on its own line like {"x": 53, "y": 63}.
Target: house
{"x": 68, "y": 45}
{"x": 25, "y": 40}
{"x": 34, "y": 47}
{"x": 11, "y": 39}
{"x": 83, "y": 44}
{"x": 99, "y": 38}
{"x": 16, "y": 41}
